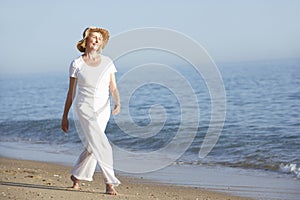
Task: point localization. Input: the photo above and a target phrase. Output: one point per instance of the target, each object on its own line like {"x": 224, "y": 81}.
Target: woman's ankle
{"x": 75, "y": 182}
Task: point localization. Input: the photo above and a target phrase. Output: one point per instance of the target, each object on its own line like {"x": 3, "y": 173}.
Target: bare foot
{"x": 110, "y": 189}
{"x": 75, "y": 182}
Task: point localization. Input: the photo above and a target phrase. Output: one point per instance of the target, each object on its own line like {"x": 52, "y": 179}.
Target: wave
{"x": 290, "y": 169}
{"x": 46, "y": 131}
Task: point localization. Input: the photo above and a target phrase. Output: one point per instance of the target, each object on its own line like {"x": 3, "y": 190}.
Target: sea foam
{"x": 290, "y": 168}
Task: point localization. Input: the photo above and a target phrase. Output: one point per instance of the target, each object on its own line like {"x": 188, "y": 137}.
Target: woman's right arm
{"x": 68, "y": 104}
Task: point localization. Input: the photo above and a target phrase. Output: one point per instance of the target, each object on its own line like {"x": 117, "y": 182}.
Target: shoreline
{"x": 255, "y": 184}
{"x": 25, "y": 179}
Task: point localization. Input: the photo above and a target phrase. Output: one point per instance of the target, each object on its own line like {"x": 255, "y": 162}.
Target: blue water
{"x": 261, "y": 130}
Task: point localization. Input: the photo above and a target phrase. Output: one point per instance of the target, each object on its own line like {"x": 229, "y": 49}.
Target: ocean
{"x": 261, "y": 131}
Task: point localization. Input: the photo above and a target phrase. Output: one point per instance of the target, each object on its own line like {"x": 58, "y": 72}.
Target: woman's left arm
{"x": 115, "y": 94}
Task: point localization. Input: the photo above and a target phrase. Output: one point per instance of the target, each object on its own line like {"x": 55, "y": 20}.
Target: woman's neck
{"x": 92, "y": 55}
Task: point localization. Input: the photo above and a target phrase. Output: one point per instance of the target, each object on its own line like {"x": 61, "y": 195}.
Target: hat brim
{"x": 105, "y": 35}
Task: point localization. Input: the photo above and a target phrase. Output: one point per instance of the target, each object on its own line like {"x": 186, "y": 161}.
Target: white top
{"x": 92, "y": 82}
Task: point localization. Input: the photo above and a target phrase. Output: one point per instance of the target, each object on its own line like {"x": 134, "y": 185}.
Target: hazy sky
{"x": 40, "y": 36}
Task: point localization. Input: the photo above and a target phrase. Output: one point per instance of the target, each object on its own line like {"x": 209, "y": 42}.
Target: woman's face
{"x": 94, "y": 41}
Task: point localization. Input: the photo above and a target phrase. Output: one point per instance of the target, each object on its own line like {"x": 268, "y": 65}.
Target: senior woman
{"x": 94, "y": 76}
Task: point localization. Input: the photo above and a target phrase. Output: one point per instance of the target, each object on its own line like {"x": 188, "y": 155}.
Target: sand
{"x": 22, "y": 179}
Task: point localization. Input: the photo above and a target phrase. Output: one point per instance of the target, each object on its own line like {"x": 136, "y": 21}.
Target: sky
{"x": 40, "y": 36}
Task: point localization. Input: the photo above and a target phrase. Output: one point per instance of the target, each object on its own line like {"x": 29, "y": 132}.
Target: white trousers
{"x": 97, "y": 147}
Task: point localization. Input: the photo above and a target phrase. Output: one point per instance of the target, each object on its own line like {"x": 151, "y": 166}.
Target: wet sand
{"x": 22, "y": 179}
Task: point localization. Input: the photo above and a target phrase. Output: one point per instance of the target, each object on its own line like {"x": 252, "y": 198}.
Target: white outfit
{"x": 92, "y": 112}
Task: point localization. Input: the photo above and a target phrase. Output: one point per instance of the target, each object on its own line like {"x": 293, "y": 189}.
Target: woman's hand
{"x": 65, "y": 124}
{"x": 116, "y": 109}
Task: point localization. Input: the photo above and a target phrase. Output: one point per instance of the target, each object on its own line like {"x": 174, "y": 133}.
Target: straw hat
{"x": 87, "y": 31}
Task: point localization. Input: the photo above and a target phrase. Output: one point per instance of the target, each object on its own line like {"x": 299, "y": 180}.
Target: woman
{"x": 94, "y": 76}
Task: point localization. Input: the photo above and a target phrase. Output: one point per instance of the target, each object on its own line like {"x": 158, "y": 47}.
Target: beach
{"x": 23, "y": 179}
{"x": 209, "y": 98}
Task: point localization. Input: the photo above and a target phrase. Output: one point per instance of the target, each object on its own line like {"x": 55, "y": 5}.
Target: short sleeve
{"x": 73, "y": 70}
{"x": 112, "y": 67}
